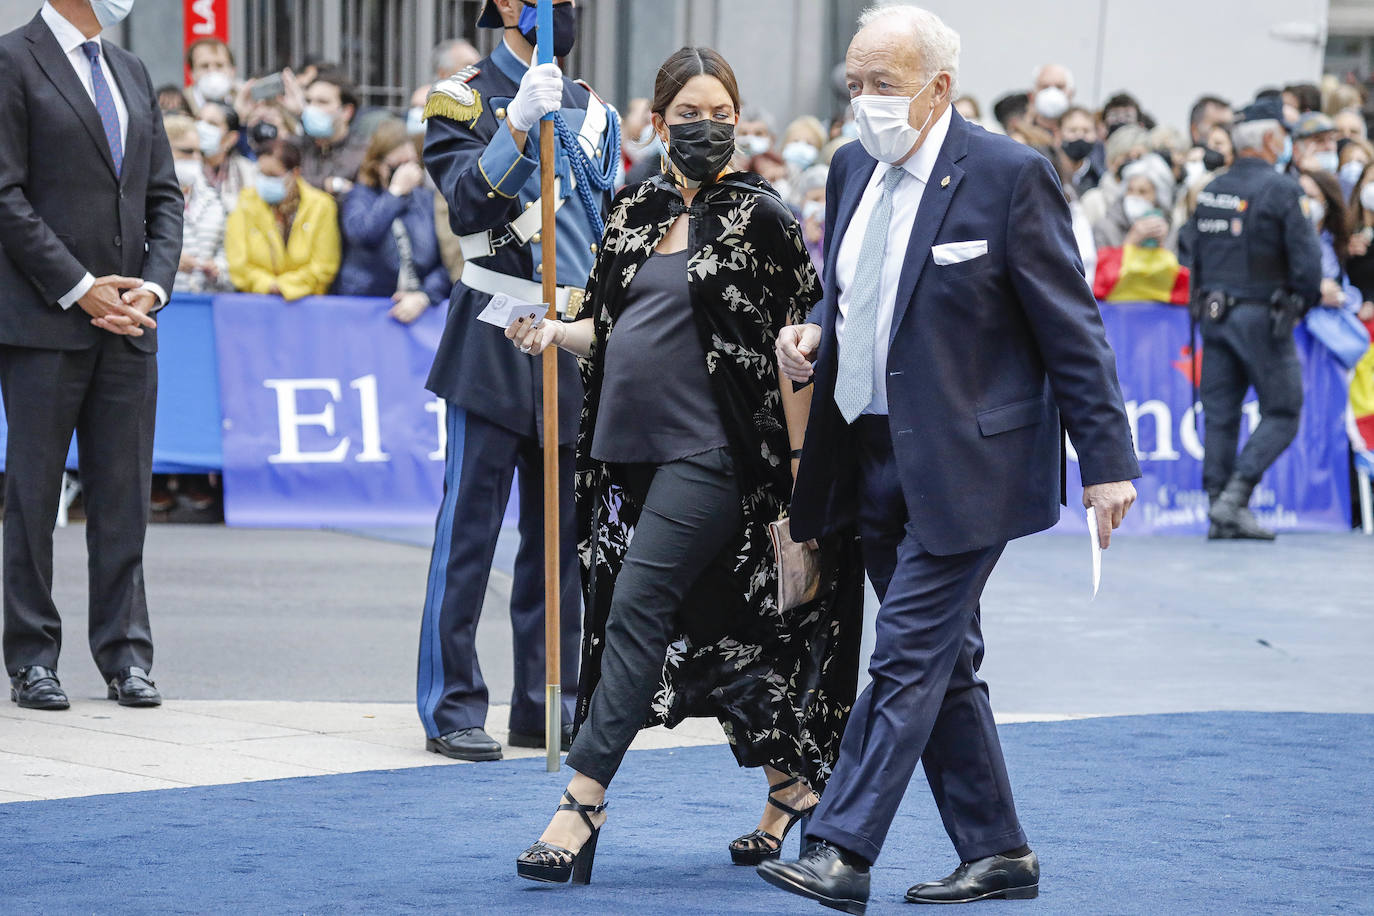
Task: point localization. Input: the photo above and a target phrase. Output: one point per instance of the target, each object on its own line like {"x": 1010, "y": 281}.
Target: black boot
{"x": 1231, "y": 516}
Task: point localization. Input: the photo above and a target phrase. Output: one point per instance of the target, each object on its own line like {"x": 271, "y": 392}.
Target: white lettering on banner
{"x": 371, "y": 416}
{"x": 439, "y": 408}
{"x": 1163, "y": 422}
{"x": 204, "y": 11}
{"x": 290, "y": 420}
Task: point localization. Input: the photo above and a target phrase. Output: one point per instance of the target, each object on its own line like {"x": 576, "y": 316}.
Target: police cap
{"x": 491, "y": 16}
{"x": 1265, "y": 109}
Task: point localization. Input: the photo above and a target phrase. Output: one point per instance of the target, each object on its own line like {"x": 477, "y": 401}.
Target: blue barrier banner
{"x": 327, "y": 422}
{"x": 187, "y": 440}
{"x": 1307, "y": 489}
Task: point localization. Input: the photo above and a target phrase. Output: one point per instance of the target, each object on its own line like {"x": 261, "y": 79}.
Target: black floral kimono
{"x": 782, "y": 684}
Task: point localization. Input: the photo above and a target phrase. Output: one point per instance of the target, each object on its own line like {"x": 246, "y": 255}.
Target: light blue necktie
{"x": 854, "y": 382}
{"x": 105, "y": 105}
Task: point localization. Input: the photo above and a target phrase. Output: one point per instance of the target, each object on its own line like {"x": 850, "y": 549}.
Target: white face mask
{"x": 1327, "y": 161}
{"x": 800, "y": 155}
{"x": 214, "y": 86}
{"x": 1316, "y": 211}
{"x": 111, "y": 12}
{"x": 1136, "y": 207}
{"x": 813, "y": 209}
{"x": 211, "y": 136}
{"x": 188, "y": 171}
{"x": 884, "y": 123}
{"x": 1051, "y": 103}
{"x": 1193, "y": 169}
{"x": 1367, "y": 197}
{"x": 755, "y": 145}
{"x": 1350, "y": 173}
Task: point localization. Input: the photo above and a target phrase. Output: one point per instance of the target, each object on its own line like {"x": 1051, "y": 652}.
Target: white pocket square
{"x": 958, "y": 252}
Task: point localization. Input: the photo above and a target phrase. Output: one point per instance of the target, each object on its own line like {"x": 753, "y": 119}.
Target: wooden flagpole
{"x": 553, "y": 662}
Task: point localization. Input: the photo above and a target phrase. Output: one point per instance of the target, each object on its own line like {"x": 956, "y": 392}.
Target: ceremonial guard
{"x": 482, "y": 149}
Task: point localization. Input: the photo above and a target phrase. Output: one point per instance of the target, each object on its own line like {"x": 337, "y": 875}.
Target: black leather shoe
{"x": 822, "y": 875}
{"x": 991, "y": 878}
{"x": 536, "y": 739}
{"x": 36, "y": 687}
{"x": 133, "y": 687}
{"x": 466, "y": 744}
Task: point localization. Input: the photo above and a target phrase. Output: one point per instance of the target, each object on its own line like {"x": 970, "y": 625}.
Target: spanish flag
{"x": 1362, "y": 397}
{"x": 1132, "y": 273}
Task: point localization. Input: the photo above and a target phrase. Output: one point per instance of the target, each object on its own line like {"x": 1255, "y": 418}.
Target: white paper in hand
{"x": 502, "y": 311}
{"x": 1096, "y": 550}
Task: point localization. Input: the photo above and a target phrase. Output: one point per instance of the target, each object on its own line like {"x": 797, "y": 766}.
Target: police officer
{"x": 1256, "y": 267}
{"x": 482, "y": 149}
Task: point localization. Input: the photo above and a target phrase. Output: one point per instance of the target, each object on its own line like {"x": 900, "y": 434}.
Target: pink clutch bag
{"x": 799, "y": 567}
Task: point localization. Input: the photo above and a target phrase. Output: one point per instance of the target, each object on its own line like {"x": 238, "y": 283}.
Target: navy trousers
{"x": 481, "y": 461}
{"x": 926, "y": 701}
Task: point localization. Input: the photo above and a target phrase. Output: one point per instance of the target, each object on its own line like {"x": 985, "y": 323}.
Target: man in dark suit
{"x": 955, "y": 333}
{"x": 90, "y": 235}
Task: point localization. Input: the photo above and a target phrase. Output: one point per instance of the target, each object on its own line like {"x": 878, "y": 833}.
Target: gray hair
{"x": 1040, "y": 70}
{"x": 444, "y": 53}
{"x": 1249, "y": 135}
{"x": 936, "y": 42}
{"x": 755, "y": 113}
{"x": 814, "y": 178}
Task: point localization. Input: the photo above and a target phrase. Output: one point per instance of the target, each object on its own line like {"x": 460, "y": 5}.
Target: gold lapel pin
{"x": 945, "y": 182}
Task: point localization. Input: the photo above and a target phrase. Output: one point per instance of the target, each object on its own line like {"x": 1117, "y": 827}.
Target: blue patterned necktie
{"x": 854, "y": 381}
{"x": 105, "y": 105}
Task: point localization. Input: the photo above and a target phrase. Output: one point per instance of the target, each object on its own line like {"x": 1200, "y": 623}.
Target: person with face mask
{"x": 203, "y": 266}
{"x": 227, "y": 170}
{"x": 1256, "y": 266}
{"x": 333, "y": 151}
{"x": 214, "y": 77}
{"x": 482, "y": 150}
{"x": 951, "y": 250}
{"x": 1314, "y": 144}
{"x": 1360, "y": 265}
{"x": 1078, "y": 140}
{"x": 686, "y": 414}
{"x": 91, "y": 215}
{"x": 283, "y": 237}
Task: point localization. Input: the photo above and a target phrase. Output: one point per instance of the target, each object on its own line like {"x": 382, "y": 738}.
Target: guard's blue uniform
{"x": 494, "y": 393}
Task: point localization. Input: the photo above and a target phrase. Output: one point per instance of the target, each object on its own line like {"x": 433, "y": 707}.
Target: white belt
{"x": 568, "y": 298}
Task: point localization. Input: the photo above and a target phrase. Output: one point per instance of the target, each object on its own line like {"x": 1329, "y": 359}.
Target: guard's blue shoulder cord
{"x": 591, "y": 178}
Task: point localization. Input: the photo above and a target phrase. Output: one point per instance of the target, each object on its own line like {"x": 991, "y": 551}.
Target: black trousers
{"x": 482, "y": 460}
{"x": 926, "y": 701}
{"x": 107, "y": 395}
{"x": 691, "y": 511}
{"x": 1239, "y": 353}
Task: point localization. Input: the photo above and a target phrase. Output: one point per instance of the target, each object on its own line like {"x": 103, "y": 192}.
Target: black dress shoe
{"x": 822, "y": 875}
{"x": 466, "y": 744}
{"x": 133, "y": 687}
{"x": 536, "y": 739}
{"x": 36, "y": 687}
{"x": 990, "y": 878}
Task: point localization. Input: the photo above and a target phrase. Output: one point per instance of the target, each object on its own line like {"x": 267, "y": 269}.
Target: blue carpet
{"x": 1200, "y": 813}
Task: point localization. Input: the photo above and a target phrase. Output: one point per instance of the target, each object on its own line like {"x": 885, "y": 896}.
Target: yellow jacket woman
{"x": 283, "y": 238}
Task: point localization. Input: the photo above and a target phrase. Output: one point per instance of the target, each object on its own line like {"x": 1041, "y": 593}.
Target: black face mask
{"x": 564, "y": 27}
{"x": 700, "y": 149}
{"x": 1078, "y": 150}
{"x": 1212, "y": 160}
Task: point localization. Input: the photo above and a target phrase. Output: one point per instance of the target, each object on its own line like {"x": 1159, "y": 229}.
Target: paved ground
{"x": 288, "y": 653}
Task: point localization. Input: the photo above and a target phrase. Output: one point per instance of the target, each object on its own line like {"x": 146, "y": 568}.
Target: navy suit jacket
{"x": 985, "y": 356}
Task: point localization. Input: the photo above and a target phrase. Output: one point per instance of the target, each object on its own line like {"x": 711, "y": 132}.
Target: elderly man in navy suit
{"x": 955, "y": 334}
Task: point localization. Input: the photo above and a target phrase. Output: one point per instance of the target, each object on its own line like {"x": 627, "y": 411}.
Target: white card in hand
{"x": 1096, "y": 550}
{"x": 502, "y": 311}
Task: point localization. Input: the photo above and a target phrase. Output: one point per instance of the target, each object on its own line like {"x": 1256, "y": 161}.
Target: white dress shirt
{"x": 906, "y": 201}
{"x": 70, "y": 39}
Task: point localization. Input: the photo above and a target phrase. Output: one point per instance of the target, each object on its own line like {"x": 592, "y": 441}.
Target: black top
{"x": 656, "y": 402}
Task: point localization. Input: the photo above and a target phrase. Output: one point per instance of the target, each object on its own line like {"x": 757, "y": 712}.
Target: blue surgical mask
{"x": 317, "y": 123}
{"x": 1350, "y": 175}
{"x": 1286, "y": 156}
{"x": 415, "y": 121}
{"x": 800, "y": 155}
{"x": 850, "y": 130}
{"x": 272, "y": 189}
{"x": 111, "y": 12}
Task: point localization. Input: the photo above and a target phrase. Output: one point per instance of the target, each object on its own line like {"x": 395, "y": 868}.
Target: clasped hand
{"x": 796, "y": 348}
{"x": 123, "y": 313}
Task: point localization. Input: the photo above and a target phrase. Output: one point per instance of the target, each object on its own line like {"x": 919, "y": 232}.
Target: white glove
{"x": 541, "y": 92}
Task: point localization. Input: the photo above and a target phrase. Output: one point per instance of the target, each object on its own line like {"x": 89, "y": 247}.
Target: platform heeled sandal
{"x": 556, "y": 865}
{"x": 760, "y": 845}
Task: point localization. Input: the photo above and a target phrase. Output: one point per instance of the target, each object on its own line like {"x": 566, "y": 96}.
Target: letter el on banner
{"x": 326, "y": 418}
{"x": 1307, "y": 489}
